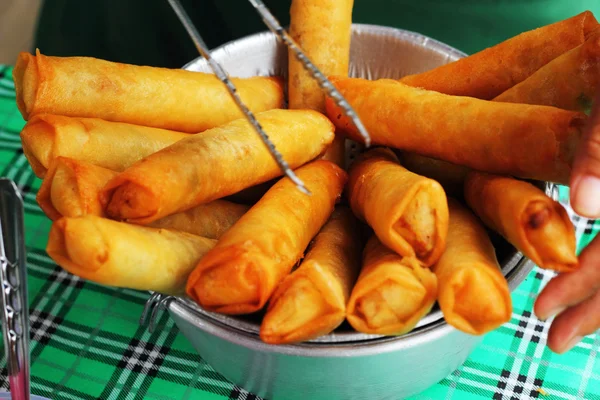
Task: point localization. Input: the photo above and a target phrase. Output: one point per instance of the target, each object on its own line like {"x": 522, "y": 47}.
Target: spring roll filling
{"x": 417, "y": 225}
{"x": 302, "y": 304}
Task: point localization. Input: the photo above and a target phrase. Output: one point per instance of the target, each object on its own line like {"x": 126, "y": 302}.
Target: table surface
{"x": 87, "y": 344}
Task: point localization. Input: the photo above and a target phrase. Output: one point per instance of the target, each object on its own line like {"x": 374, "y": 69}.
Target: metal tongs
{"x": 13, "y": 275}
{"x": 284, "y": 37}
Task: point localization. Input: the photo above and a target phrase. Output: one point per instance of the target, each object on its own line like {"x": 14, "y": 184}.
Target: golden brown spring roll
{"x": 239, "y": 275}
{"x": 122, "y": 255}
{"x": 494, "y": 70}
{"x": 450, "y": 176}
{"x": 408, "y": 212}
{"x": 569, "y": 81}
{"x": 311, "y": 301}
{"x": 71, "y": 189}
{"x": 322, "y": 28}
{"x": 110, "y": 145}
{"x": 174, "y": 99}
{"x": 534, "y": 223}
{"x": 528, "y": 141}
{"x": 473, "y": 294}
{"x": 210, "y": 220}
{"x": 215, "y": 164}
{"x": 392, "y": 293}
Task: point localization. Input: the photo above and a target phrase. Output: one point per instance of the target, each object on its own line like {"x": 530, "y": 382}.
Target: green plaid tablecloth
{"x": 86, "y": 342}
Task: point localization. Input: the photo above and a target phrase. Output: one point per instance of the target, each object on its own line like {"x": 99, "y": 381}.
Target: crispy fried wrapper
{"x": 392, "y": 293}
{"x": 174, "y": 99}
{"x": 450, "y": 176}
{"x": 71, "y": 189}
{"x": 570, "y": 81}
{"x": 110, "y": 145}
{"x": 311, "y": 301}
{"x": 322, "y": 28}
{"x": 123, "y": 255}
{"x": 531, "y": 221}
{"x": 215, "y": 164}
{"x": 408, "y": 212}
{"x": 486, "y": 74}
{"x": 473, "y": 294}
{"x": 482, "y": 135}
{"x": 239, "y": 275}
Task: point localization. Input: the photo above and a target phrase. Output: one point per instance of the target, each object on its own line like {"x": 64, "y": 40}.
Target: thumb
{"x": 585, "y": 177}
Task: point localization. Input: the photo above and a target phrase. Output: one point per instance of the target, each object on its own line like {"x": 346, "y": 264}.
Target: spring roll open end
{"x": 25, "y": 76}
{"x": 230, "y": 283}
{"x": 129, "y": 201}
{"x": 38, "y": 141}
{"x": 65, "y": 203}
{"x": 542, "y": 226}
{"x": 297, "y": 309}
{"x": 77, "y": 256}
{"x": 418, "y": 224}
{"x": 389, "y": 304}
{"x": 475, "y": 303}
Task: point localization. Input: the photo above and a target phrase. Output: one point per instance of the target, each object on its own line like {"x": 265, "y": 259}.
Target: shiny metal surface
{"x": 345, "y": 364}
{"x": 220, "y": 72}
{"x": 13, "y": 277}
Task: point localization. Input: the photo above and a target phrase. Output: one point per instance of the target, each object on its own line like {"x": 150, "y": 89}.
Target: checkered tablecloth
{"x": 86, "y": 342}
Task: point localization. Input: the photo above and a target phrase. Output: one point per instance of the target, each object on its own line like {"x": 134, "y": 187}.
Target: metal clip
{"x": 154, "y": 305}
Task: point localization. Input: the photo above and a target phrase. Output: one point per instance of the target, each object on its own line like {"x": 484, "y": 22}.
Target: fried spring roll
{"x": 174, "y": 99}
{"x": 494, "y": 70}
{"x": 240, "y": 273}
{"x": 210, "y": 220}
{"x": 473, "y": 294}
{"x": 110, "y": 145}
{"x": 569, "y": 81}
{"x": 527, "y": 141}
{"x": 215, "y": 164}
{"x": 408, "y": 212}
{"x": 534, "y": 223}
{"x": 71, "y": 189}
{"x": 122, "y": 255}
{"x": 311, "y": 301}
{"x": 450, "y": 176}
{"x": 322, "y": 28}
{"x": 392, "y": 293}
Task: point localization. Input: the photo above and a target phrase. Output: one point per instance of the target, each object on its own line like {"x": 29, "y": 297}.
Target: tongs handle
{"x": 220, "y": 72}
{"x": 222, "y": 75}
{"x": 13, "y": 277}
{"x": 274, "y": 25}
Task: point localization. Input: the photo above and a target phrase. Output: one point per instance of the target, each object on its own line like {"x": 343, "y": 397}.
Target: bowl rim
{"x": 515, "y": 267}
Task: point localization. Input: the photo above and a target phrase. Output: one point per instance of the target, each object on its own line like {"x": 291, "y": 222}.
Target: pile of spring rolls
{"x": 155, "y": 181}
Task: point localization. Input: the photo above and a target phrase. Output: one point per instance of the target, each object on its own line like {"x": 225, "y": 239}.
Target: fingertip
{"x": 585, "y": 196}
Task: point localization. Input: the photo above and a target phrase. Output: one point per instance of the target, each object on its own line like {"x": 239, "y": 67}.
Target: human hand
{"x": 575, "y": 297}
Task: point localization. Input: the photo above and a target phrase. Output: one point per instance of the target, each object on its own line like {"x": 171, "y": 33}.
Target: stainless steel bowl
{"x": 343, "y": 365}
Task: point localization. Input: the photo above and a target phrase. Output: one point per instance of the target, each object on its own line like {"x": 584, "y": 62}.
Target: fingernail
{"x": 587, "y": 197}
{"x": 551, "y": 314}
{"x": 572, "y": 343}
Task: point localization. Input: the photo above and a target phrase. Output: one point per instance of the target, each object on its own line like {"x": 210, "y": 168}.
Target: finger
{"x": 571, "y": 288}
{"x": 585, "y": 176}
{"x": 572, "y": 325}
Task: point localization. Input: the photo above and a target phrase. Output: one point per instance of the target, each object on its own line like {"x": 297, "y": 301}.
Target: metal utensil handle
{"x": 13, "y": 277}
{"x": 222, "y": 75}
{"x": 274, "y": 25}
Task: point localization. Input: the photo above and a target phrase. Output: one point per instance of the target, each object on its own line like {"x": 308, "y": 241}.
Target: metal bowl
{"x": 345, "y": 364}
